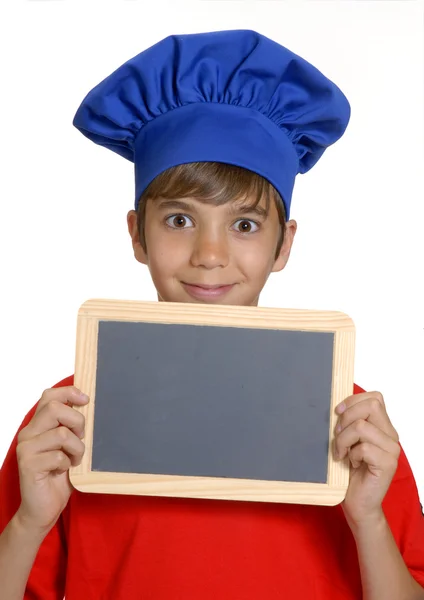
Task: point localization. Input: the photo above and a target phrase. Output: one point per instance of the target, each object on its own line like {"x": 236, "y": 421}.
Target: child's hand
{"x": 365, "y": 434}
{"x": 47, "y": 447}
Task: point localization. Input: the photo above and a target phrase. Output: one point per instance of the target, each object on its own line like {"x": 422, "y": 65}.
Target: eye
{"x": 178, "y": 221}
{"x": 246, "y": 226}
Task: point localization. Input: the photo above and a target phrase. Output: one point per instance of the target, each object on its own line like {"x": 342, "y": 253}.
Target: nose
{"x": 210, "y": 250}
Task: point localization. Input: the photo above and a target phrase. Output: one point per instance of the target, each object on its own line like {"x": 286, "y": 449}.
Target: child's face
{"x": 197, "y": 252}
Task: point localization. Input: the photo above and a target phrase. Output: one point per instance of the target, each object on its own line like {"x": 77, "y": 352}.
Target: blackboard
{"x": 207, "y": 401}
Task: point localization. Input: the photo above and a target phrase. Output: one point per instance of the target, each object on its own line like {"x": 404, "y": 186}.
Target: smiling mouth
{"x": 209, "y": 287}
{"x": 202, "y": 291}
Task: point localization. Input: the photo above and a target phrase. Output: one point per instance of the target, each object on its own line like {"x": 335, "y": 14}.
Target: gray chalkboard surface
{"x": 212, "y": 403}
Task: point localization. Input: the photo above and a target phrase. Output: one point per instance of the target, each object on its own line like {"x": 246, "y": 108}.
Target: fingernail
{"x": 84, "y": 397}
{"x": 339, "y": 428}
{"x": 341, "y": 408}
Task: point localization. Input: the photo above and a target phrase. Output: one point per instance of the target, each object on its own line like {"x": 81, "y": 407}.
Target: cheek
{"x": 165, "y": 256}
{"x": 257, "y": 257}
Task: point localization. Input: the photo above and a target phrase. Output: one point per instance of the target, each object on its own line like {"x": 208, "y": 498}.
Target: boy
{"x": 218, "y": 125}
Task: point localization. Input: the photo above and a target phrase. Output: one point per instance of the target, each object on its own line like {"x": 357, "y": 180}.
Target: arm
{"x": 383, "y": 570}
{"x": 381, "y": 505}
{"x": 18, "y": 548}
{"x": 34, "y": 490}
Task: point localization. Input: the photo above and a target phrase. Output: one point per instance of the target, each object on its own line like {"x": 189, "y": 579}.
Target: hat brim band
{"x": 212, "y": 132}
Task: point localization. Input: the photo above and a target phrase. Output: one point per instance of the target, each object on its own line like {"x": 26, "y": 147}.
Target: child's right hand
{"x": 47, "y": 447}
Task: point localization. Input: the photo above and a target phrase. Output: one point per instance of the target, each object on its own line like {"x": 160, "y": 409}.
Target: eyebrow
{"x": 235, "y": 208}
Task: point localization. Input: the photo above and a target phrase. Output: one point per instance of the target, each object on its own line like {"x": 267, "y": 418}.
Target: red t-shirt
{"x": 109, "y": 547}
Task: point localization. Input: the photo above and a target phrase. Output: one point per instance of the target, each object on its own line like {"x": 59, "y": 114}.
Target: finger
{"x": 60, "y": 438}
{"x": 46, "y": 462}
{"x": 370, "y": 410}
{"x": 53, "y": 415}
{"x": 375, "y": 458}
{"x": 362, "y": 431}
{"x": 355, "y": 398}
{"x": 65, "y": 395}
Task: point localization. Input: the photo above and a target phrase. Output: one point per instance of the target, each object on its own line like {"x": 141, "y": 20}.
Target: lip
{"x": 207, "y": 291}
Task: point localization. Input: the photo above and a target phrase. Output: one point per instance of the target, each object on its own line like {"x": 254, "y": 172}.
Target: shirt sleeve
{"x": 47, "y": 577}
{"x": 405, "y": 517}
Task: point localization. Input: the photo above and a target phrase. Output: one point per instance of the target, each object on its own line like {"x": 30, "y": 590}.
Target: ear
{"x": 284, "y": 254}
{"x": 139, "y": 251}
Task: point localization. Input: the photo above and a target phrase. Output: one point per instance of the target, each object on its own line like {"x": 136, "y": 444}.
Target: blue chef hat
{"x": 233, "y": 97}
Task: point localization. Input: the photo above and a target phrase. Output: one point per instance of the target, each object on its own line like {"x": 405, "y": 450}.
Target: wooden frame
{"x": 93, "y": 311}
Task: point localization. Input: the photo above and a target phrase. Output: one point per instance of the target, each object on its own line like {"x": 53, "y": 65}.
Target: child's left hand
{"x": 365, "y": 434}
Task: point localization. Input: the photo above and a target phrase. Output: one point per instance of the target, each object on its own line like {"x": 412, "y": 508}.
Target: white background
{"x": 63, "y": 200}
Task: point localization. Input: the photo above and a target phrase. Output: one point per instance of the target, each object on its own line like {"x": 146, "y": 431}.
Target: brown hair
{"x": 211, "y": 182}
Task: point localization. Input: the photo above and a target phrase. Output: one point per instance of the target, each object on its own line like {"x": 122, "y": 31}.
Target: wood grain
{"x": 94, "y": 311}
